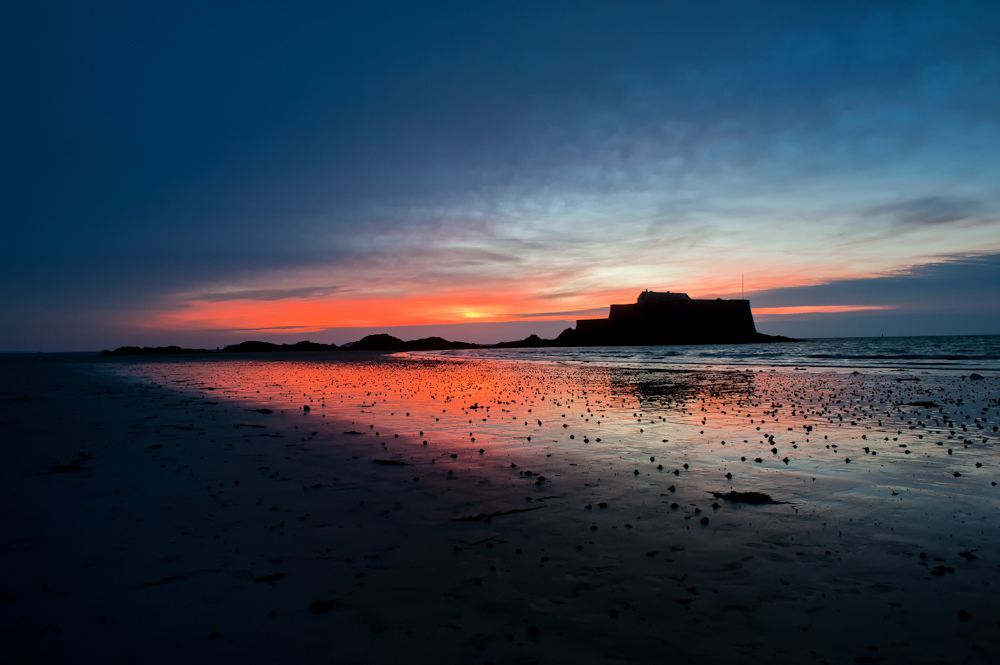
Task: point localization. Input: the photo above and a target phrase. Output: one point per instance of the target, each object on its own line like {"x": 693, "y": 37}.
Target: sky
{"x": 209, "y": 172}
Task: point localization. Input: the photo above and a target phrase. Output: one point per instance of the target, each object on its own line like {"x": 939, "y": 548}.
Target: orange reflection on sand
{"x": 461, "y": 404}
{"x": 601, "y": 421}
{"x": 467, "y": 408}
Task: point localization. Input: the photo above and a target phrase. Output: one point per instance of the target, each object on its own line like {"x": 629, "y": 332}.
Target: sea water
{"x": 945, "y": 354}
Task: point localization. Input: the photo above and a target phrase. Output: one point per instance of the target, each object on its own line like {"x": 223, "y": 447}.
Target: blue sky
{"x": 211, "y": 172}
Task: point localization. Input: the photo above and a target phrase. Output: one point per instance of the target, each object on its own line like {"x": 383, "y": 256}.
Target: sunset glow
{"x": 496, "y": 301}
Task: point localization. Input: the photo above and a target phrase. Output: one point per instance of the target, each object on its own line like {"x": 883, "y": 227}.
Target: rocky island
{"x": 663, "y": 318}
{"x": 669, "y": 318}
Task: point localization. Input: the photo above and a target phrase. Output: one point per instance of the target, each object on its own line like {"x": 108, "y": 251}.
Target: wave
{"x": 907, "y": 356}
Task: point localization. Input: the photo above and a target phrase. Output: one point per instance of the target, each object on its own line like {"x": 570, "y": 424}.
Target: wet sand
{"x": 162, "y": 510}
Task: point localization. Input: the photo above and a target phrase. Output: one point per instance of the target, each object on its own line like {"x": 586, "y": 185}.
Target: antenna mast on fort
{"x": 743, "y": 295}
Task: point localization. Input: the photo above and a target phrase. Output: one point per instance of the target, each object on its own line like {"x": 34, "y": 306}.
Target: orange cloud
{"x": 310, "y": 315}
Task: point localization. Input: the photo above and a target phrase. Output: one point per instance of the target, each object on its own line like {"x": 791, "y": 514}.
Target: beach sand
{"x": 154, "y": 512}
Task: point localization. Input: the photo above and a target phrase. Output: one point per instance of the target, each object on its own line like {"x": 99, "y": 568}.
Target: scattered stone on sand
{"x": 488, "y": 516}
{"x": 756, "y": 498}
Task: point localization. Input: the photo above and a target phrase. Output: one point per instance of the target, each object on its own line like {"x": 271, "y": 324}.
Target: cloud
{"x": 302, "y": 293}
{"x": 267, "y": 329}
{"x": 597, "y": 311}
{"x": 816, "y": 309}
{"x": 958, "y": 284}
{"x": 931, "y": 210}
{"x": 951, "y": 295}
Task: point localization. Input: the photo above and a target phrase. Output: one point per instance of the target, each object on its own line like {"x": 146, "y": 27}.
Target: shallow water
{"x": 944, "y": 354}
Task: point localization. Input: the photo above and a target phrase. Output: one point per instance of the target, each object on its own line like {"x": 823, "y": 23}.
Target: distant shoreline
{"x": 388, "y": 343}
{"x": 655, "y": 319}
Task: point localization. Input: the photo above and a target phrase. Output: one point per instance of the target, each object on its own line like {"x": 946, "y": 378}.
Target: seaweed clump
{"x": 756, "y": 498}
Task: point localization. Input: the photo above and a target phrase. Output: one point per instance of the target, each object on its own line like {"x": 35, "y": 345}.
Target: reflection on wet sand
{"x": 792, "y": 423}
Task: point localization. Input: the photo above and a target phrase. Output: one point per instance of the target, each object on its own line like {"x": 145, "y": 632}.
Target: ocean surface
{"x": 950, "y": 355}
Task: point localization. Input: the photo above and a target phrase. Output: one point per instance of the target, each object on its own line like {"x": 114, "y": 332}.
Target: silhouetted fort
{"x": 654, "y": 319}
{"x": 668, "y": 318}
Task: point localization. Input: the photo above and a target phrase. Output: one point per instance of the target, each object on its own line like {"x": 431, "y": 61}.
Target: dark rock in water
{"x": 385, "y": 342}
{"x": 963, "y": 615}
{"x": 261, "y": 347}
{"x": 75, "y": 464}
{"x": 756, "y": 498}
{"x": 68, "y": 468}
{"x": 274, "y": 577}
{"x": 489, "y": 516}
{"x": 322, "y": 606}
{"x": 151, "y": 351}
{"x": 382, "y": 342}
{"x": 925, "y": 405}
{"x": 389, "y": 462}
{"x": 976, "y": 377}
{"x": 969, "y": 556}
{"x": 531, "y": 341}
